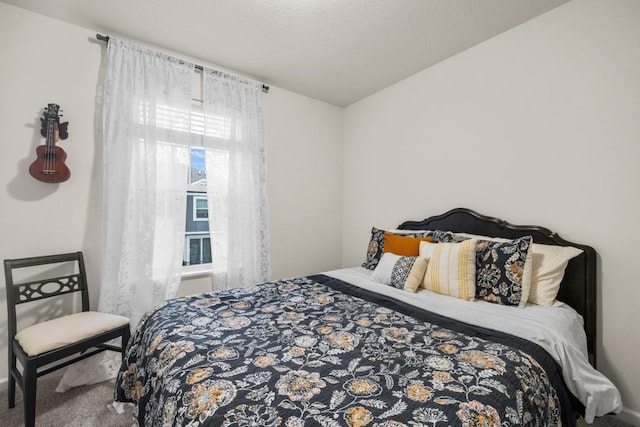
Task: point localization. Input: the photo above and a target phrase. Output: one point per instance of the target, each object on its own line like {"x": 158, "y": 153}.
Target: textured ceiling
{"x": 338, "y": 51}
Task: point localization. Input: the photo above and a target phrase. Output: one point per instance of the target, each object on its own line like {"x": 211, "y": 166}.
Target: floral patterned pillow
{"x": 376, "y": 244}
{"x": 502, "y": 273}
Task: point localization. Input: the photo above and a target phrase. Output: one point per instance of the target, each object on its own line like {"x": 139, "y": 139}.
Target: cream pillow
{"x": 402, "y": 272}
{"x": 451, "y": 269}
{"x": 549, "y": 263}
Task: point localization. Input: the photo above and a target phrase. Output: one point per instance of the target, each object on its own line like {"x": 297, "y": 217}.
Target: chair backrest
{"x": 20, "y": 293}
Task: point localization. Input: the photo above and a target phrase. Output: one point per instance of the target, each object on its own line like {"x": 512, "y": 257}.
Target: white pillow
{"x": 549, "y": 263}
{"x": 451, "y": 269}
{"x": 402, "y": 272}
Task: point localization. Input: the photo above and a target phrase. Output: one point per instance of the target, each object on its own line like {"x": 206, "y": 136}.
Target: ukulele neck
{"x": 52, "y": 133}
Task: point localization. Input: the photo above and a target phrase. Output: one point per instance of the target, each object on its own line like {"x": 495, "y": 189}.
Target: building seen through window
{"x": 197, "y": 241}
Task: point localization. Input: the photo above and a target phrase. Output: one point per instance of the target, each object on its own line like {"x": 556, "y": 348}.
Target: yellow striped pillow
{"x": 451, "y": 269}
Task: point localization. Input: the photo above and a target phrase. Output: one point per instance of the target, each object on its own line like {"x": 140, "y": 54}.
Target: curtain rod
{"x": 105, "y": 39}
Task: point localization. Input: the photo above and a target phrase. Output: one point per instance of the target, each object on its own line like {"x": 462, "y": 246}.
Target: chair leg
{"x": 11, "y": 393}
{"x": 29, "y": 394}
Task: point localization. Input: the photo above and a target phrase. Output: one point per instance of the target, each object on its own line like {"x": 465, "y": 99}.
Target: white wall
{"x": 304, "y": 176}
{"x": 540, "y": 125}
{"x": 43, "y": 61}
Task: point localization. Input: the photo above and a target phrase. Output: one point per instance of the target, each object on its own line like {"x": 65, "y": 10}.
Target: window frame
{"x": 200, "y": 237}
{"x": 196, "y": 270}
{"x": 195, "y": 205}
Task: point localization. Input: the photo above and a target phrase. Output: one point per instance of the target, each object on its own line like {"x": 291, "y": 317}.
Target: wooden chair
{"x": 70, "y": 337}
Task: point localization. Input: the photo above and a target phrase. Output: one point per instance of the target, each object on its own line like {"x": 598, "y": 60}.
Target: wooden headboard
{"x": 578, "y": 287}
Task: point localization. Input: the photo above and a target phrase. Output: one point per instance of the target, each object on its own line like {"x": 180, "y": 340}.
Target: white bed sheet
{"x": 558, "y": 329}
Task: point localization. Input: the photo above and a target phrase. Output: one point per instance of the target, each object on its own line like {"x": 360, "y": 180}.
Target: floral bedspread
{"x": 315, "y": 351}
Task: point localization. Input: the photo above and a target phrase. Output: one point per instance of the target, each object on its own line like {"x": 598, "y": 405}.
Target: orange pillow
{"x": 404, "y": 245}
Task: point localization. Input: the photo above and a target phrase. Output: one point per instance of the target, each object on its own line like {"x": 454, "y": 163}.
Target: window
{"x": 197, "y": 240}
{"x": 197, "y": 249}
{"x": 200, "y": 209}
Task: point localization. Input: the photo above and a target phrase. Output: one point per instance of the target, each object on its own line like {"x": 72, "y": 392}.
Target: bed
{"x": 341, "y": 349}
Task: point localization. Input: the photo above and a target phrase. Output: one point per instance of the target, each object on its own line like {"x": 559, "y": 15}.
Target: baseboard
{"x": 630, "y": 416}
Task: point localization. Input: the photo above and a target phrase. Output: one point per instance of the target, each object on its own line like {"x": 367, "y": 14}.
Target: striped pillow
{"x": 451, "y": 269}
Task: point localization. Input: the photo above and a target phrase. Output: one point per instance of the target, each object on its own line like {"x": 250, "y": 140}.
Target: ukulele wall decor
{"x": 49, "y": 166}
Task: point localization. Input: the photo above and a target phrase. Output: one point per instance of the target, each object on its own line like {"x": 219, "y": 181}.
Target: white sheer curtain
{"x": 236, "y": 180}
{"x": 147, "y": 119}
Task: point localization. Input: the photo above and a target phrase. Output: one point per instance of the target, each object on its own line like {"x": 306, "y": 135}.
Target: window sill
{"x": 196, "y": 271}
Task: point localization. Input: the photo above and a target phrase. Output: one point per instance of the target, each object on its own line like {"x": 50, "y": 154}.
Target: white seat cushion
{"x": 65, "y": 330}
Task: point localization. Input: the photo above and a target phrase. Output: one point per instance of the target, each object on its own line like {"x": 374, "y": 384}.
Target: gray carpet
{"x": 79, "y": 407}
{"x": 609, "y": 421}
{"x": 87, "y": 407}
